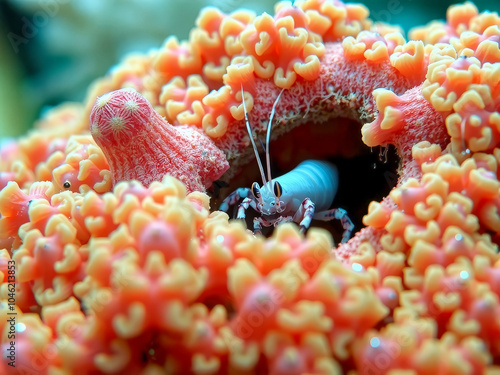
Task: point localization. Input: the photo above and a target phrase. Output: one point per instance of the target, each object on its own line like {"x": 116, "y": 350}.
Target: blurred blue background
{"x": 51, "y": 50}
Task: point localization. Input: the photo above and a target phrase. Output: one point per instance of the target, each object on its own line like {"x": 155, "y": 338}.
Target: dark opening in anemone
{"x": 365, "y": 174}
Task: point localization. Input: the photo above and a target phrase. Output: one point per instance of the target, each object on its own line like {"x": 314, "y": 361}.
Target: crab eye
{"x": 278, "y": 190}
{"x": 66, "y": 185}
{"x": 256, "y": 190}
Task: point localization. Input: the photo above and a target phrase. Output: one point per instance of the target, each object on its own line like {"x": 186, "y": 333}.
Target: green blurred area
{"x": 15, "y": 114}
{"x": 78, "y": 43}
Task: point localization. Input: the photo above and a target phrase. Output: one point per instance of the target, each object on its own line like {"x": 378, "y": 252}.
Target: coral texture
{"x": 140, "y": 145}
{"x": 113, "y": 262}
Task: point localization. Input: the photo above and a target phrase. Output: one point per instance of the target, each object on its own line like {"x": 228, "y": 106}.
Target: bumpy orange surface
{"x": 102, "y": 274}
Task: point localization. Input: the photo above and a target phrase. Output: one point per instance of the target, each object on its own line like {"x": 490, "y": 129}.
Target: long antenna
{"x": 251, "y": 137}
{"x": 268, "y": 136}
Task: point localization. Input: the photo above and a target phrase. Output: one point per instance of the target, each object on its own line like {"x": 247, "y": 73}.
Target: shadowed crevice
{"x": 365, "y": 174}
